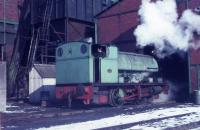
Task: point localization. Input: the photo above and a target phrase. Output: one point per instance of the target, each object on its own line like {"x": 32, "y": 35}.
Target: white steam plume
{"x": 161, "y": 27}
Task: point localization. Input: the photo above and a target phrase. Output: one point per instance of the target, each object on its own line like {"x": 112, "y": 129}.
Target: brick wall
{"x": 11, "y": 22}
{"x": 194, "y": 59}
{"x": 117, "y": 24}
{"x": 11, "y": 9}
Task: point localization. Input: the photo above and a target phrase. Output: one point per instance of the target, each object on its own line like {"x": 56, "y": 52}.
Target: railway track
{"x": 126, "y": 126}
{"x": 47, "y": 116}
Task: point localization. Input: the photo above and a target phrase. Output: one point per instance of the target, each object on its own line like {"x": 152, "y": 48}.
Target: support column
{"x": 3, "y": 85}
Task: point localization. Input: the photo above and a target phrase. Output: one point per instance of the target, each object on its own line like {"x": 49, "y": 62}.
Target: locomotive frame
{"x": 103, "y": 93}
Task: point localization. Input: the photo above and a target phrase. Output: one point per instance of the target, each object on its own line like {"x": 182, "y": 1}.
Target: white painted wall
{"x": 49, "y": 81}
{"x": 3, "y": 86}
{"x": 38, "y": 84}
{"x": 35, "y": 80}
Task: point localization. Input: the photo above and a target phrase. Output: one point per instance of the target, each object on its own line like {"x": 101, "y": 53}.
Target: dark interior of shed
{"x": 174, "y": 69}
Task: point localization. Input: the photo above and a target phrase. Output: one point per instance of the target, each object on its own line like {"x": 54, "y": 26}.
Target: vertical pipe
{"x": 93, "y": 8}
{"x": 96, "y": 30}
{"x": 189, "y": 65}
{"x": 95, "y": 21}
{"x": 189, "y": 74}
{"x": 66, "y": 21}
{"x": 198, "y": 77}
{"x": 4, "y": 29}
{"x": 2, "y": 53}
{"x": 76, "y": 9}
{"x": 65, "y": 8}
{"x": 187, "y": 4}
{"x": 4, "y": 21}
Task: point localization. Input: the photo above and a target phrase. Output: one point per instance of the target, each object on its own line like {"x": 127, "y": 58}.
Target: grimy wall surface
{"x": 194, "y": 55}
{"x": 70, "y": 20}
{"x": 117, "y": 23}
{"x": 2, "y": 86}
{"x": 9, "y": 15}
{"x": 79, "y": 9}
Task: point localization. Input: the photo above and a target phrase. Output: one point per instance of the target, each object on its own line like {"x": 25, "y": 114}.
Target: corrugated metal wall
{"x": 71, "y": 20}
{"x": 79, "y": 9}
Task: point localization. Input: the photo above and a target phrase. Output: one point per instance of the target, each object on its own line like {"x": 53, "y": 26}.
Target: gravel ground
{"x": 24, "y": 116}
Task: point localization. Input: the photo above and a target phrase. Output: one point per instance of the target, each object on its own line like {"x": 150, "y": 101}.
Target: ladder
{"x": 18, "y": 73}
{"x": 44, "y": 32}
{"x": 40, "y": 37}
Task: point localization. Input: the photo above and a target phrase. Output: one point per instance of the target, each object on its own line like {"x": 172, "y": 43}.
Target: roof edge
{"x": 97, "y": 15}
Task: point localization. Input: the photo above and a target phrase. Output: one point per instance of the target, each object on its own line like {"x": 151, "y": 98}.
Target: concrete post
{"x": 3, "y": 86}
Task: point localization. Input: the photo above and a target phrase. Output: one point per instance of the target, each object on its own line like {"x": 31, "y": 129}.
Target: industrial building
{"x": 51, "y": 23}
{"x": 9, "y": 14}
{"x": 30, "y": 30}
{"x": 193, "y": 56}
{"x": 122, "y": 18}
{"x": 73, "y": 64}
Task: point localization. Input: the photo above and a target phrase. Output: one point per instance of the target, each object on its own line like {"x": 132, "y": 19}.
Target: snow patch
{"x": 13, "y": 109}
{"x": 134, "y": 118}
{"x": 167, "y": 123}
